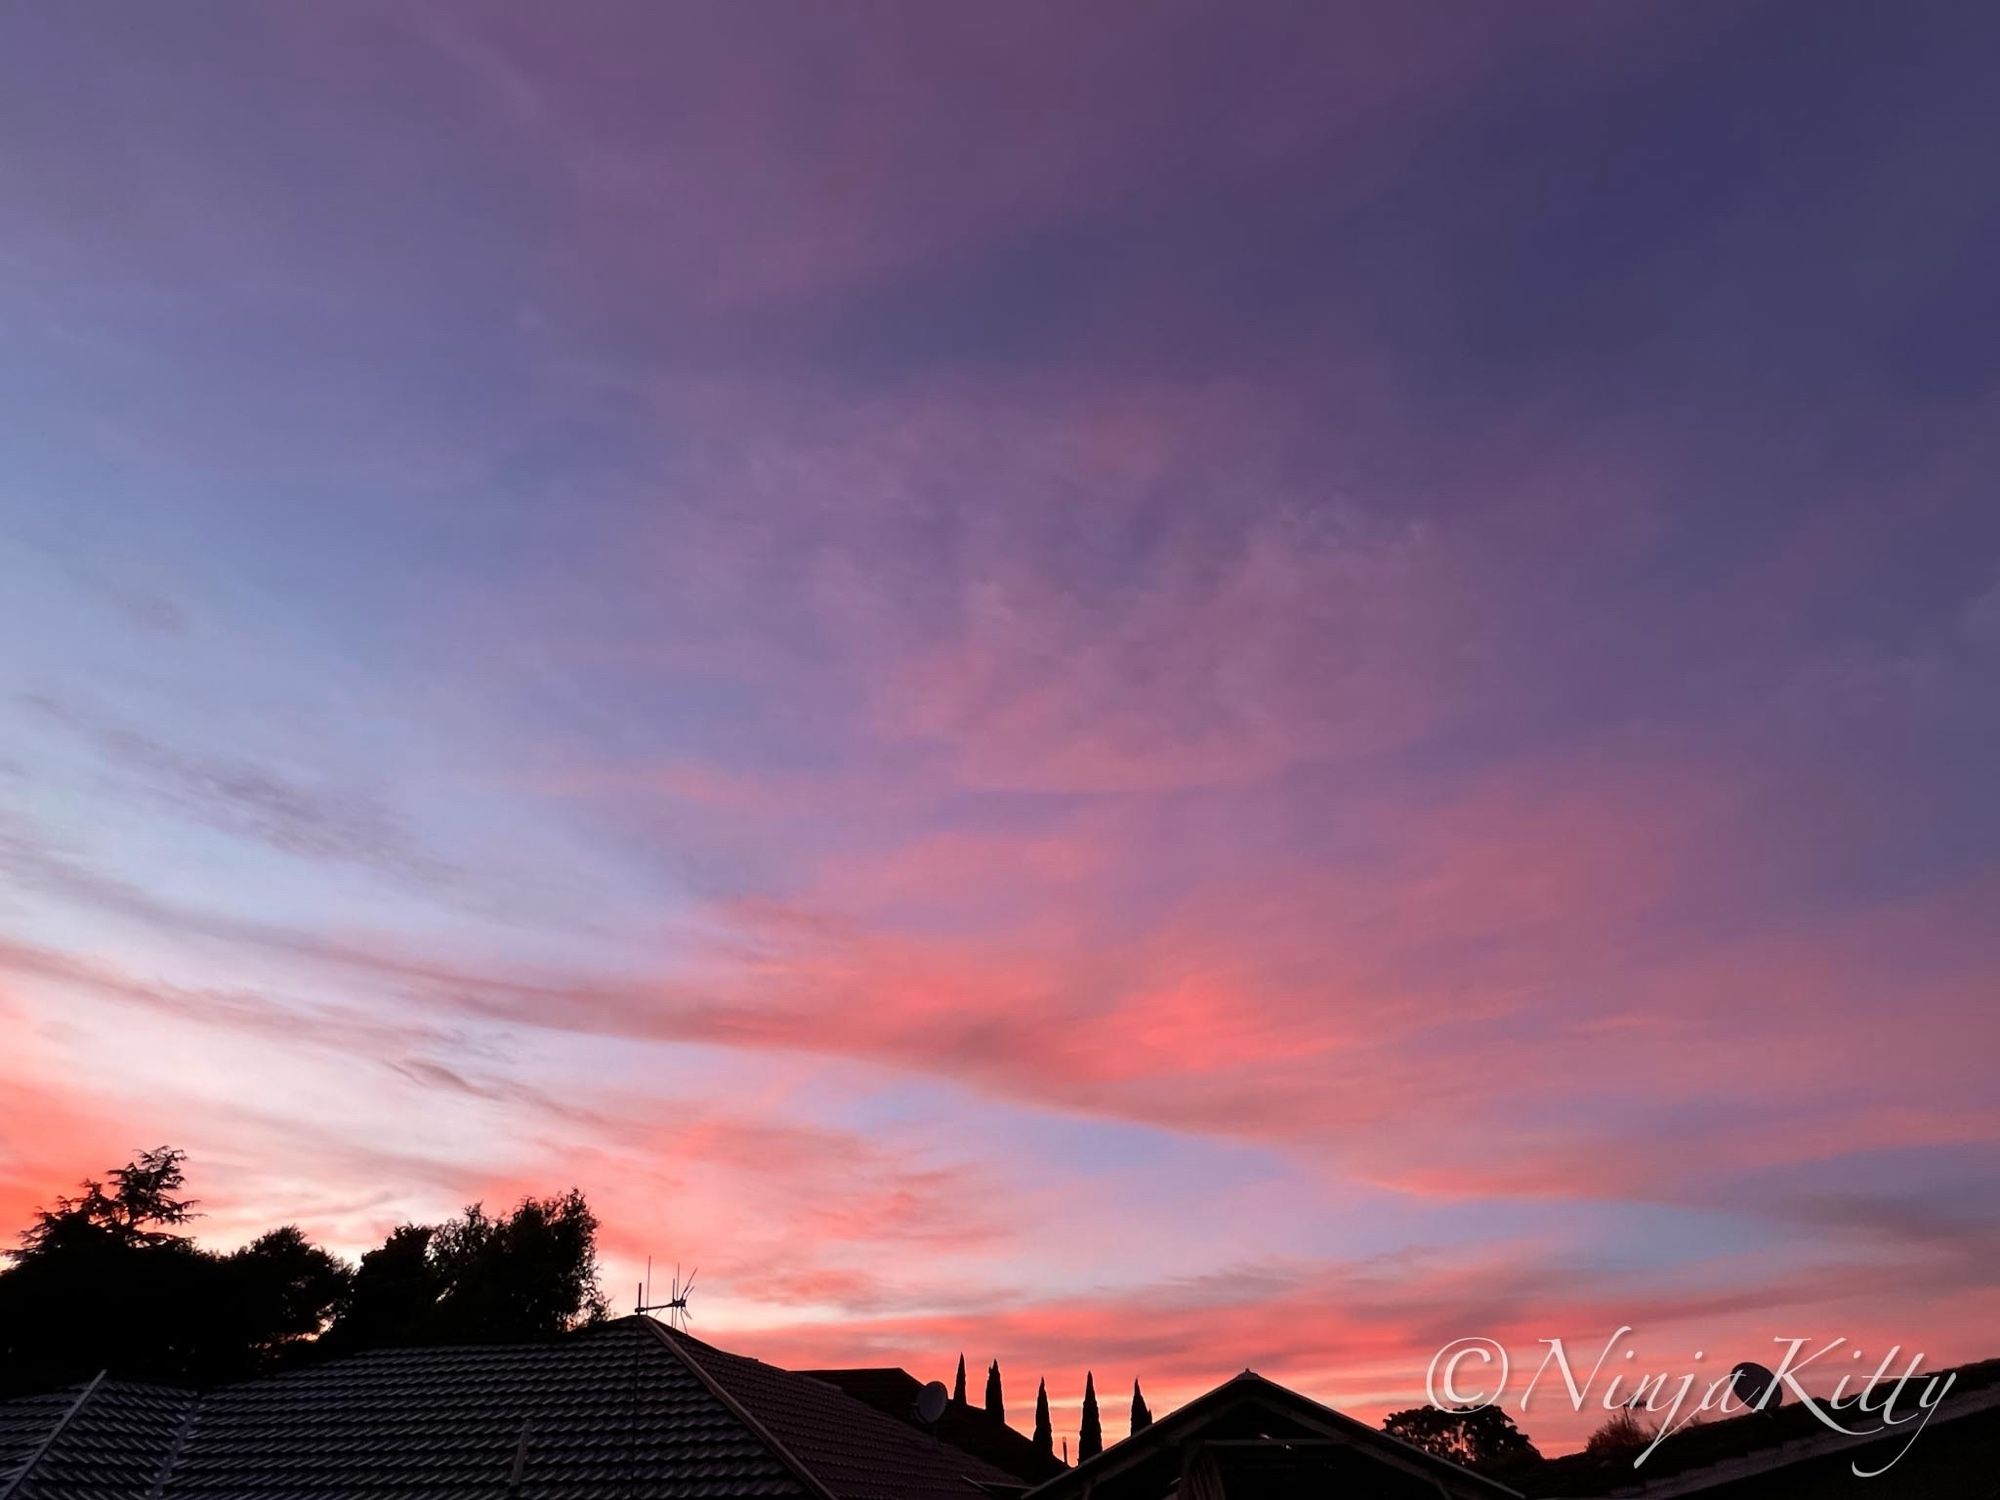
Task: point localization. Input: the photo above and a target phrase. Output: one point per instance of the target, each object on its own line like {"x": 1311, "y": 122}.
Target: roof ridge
{"x": 41, "y": 1449}
{"x": 173, "y": 1454}
{"x": 814, "y": 1484}
{"x": 916, "y": 1445}
{"x": 1248, "y": 1384}
{"x": 315, "y": 1365}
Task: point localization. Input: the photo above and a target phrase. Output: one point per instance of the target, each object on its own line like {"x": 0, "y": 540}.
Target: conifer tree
{"x": 1142, "y": 1416}
{"x": 1090, "y": 1435}
{"x": 995, "y": 1407}
{"x": 958, "y": 1387}
{"x": 1045, "y": 1433}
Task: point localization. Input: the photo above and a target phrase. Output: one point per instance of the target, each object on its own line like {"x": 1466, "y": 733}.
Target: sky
{"x": 1147, "y": 688}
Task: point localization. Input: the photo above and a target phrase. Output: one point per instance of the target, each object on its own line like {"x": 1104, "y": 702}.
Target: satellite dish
{"x": 1755, "y": 1386}
{"x": 931, "y": 1401}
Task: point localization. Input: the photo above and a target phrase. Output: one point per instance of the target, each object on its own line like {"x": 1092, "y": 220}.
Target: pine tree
{"x": 1090, "y": 1436}
{"x": 1045, "y": 1433}
{"x": 958, "y": 1388}
{"x": 1142, "y": 1416}
{"x": 140, "y": 1212}
{"x": 995, "y": 1407}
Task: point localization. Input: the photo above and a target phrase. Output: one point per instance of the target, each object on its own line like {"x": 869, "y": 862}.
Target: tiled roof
{"x": 613, "y": 1413}
{"x": 858, "y": 1453}
{"x": 963, "y": 1426}
{"x": 602, "y": 1415}
{"x": 110, "y": 1445}
{"x": 605, "y": 1413}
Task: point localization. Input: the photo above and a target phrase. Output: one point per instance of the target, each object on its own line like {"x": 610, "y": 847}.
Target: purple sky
{"x": 1152, "y": 687}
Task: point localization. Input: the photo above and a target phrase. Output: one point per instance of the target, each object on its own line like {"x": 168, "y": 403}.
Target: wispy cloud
{"x": 950, "y": 657}
{"x": 238, "y": 797}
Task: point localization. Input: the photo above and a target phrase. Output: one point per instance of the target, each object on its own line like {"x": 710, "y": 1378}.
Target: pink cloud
{"x": 1360, "y": 1336}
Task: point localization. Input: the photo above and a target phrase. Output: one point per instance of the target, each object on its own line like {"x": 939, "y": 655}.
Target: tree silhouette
{"x": 477, "y": 1279}
{"x": 995, "y": 1407}
{"x": 140, "y": 1211}
{"x": 1090, "y": 1434}
{"x": 1045, "y": 1433}
{"x": 107, "y": 1280}
{"x": 283, "y": 1291}
{"x": 1482, "y": 1438}
{"x": 531, "y": 1275}
{"x": 958, "y": 1386}
{"x": 393, "y": 1295}
{"x": 1142, "y": 1416}
{"x": 1621, "y": 1432}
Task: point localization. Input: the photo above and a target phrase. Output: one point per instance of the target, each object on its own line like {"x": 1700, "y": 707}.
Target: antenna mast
{"x": 676, "y": 1305}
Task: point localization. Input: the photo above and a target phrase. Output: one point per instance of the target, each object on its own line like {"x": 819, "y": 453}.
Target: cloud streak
{"x": 961, "y": 660}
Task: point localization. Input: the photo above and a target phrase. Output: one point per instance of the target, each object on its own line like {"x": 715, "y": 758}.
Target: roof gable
{"x": 1261, "y": 1429}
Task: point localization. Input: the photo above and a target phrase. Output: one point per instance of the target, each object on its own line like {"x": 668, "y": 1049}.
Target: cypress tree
{"x": 995, "y": 1407}
{"x": 1045, "y": 1432}
{"x": 958, "y": 1389}
{"x": 1090, "y": 1436}
{"x": 1142, "y": 1416}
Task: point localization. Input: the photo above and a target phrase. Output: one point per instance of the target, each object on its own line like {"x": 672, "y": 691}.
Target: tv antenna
{"x": 676, "y": 1305}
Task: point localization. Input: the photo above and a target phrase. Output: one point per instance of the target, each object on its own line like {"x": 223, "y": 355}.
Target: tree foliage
{"x": 996, "y": 1407}
{"x": 1482, "y": 1438}
{"x": 1622, "y": 1431}
{"x": 1045, "y": 1432}
{"x": 283, "y": 1289}
{"x": 1142, "y": 1415}
{"x": 138, "y": 1211}
{"x": 109, "y": 1280}
{"x": 477, "y": 1279}
{"x": 1090, "y": 1432}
